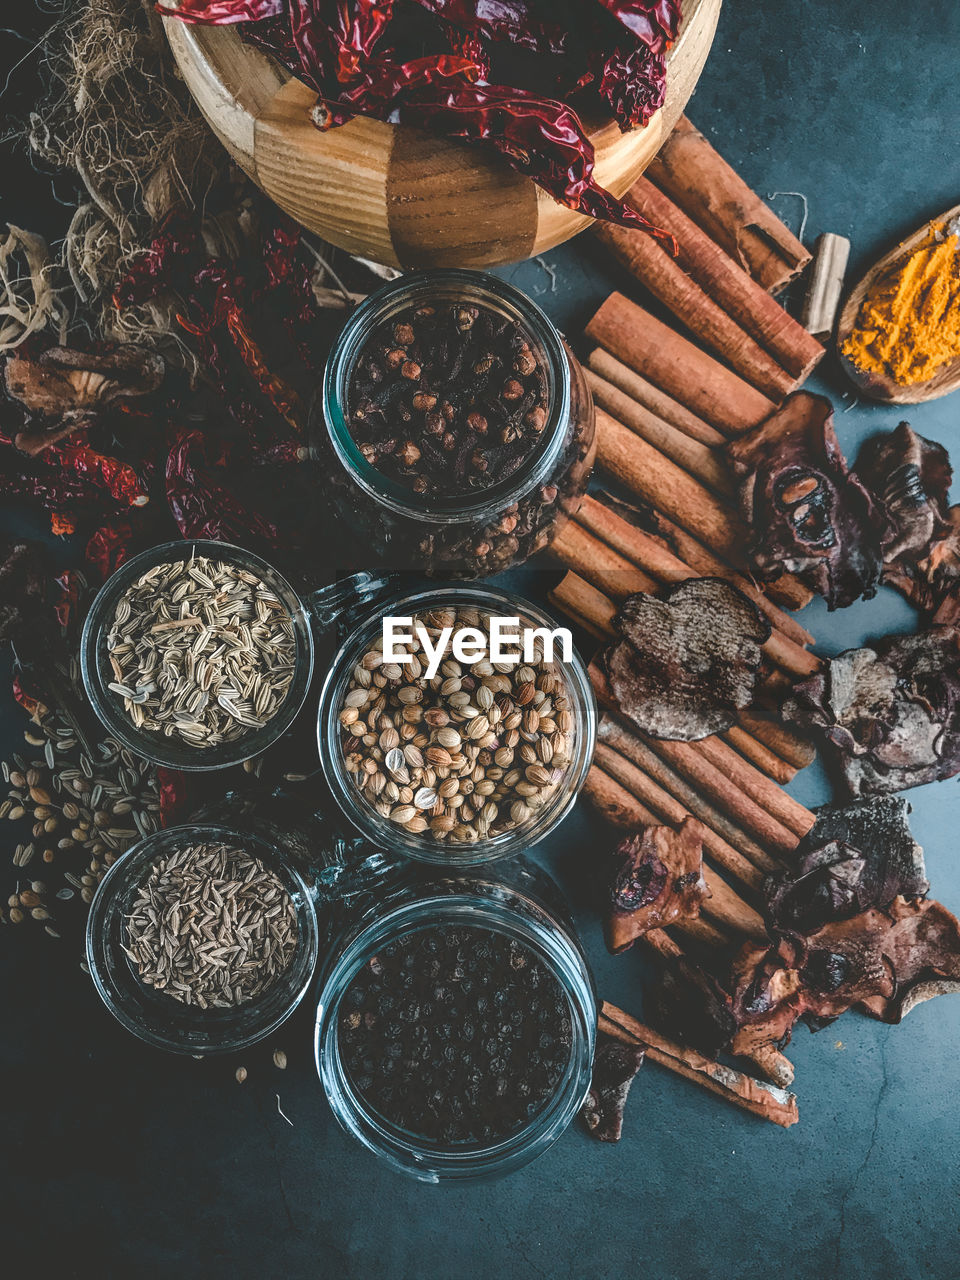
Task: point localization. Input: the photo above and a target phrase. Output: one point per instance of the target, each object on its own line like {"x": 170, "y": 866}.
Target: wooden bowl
{"x": 394, "y": 193}
{"x": 878, "y": 386}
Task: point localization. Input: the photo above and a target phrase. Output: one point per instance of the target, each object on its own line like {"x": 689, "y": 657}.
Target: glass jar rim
{"x": 407, "y": 290}
{"x": 552, "y": 943}
{"x": 424, "y": 849}
{"x": 198, "y": 1032}
{"x": 155, "y": 748}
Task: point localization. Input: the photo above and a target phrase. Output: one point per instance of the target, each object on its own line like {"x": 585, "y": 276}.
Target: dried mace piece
{"x": 909, "y": 478}
{"x": 808, "y": 514}
{"x": 855, "y": 857}
{"x": 892, "y": 711}
{"x": 882, "y": 962}
{"x": 615, "y": 1067}
{"x": 688, "y": 662}
{"x": 658, "y": 880}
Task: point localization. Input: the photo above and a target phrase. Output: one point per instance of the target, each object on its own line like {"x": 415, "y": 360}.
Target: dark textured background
{"x": 115, "y": 1160}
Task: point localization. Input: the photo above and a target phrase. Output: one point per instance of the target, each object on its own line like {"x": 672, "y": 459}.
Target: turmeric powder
{"x": 909, "y": 323}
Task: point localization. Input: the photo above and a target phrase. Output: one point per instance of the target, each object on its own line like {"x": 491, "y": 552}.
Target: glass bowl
{"x": 97, "y": 673}
{"x": 380, "y": 830}
{"x": 513, "y": 907}
{"x": 159, "y": 1019}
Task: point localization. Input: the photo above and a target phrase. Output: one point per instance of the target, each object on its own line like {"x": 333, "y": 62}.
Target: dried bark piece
{"x": 855, "y": 857}
{"x": 658, "y": 880}
{"x": 689, "y": 661}
{"x": 765, "y": 999}
{"x": 65, "y": 389}
{"x": 615, "y": 1066}
{"x": 809, "y": 515}
{"x": 883, "y": 962}
{"x": 909, "y": 477}
{"x": 892, "y": 712}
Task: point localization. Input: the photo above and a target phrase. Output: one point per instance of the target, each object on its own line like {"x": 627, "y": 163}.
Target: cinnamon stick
{"x": 825, "y": 288}
{"x": 645, "y": 393}
{"x": 772, "y": 1064}
{"x": 653, "y": 557}
{"x": 657, "y": 799}
{"x": 714, "y": 195}
{"x": 768, "y": 1101}
{"x": 635, "y": 749}
{"x": 785, "y": 590}
{"x": 790, "y": 746}
{"x": 664, "y": 277}
{"x": 706, "y": 932}
{"x": 594, "y": 561}
{"x": 725, "y": 281}
{"x": 758, "y": 754}
{"x": 757, "y": 786}
{"x": 586, "y": 605}
{"x": 657, "y": 352}
{"x": 699, "y": 459}
{"x": 683, "y": 547}
{"x": 645, "y": 471}
{"x": 614, "y": 803}
{"x": 688, "y": 760}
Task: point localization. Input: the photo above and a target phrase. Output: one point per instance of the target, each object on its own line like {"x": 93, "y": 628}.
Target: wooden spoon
{"x": 879, "y": 386}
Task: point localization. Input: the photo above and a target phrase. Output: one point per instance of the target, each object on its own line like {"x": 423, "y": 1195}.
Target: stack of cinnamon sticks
{"x": 732, "y": 249}
{"x": 667, "y": 402}
{"x": 751, "y": 829}
{"x": 610, "y": 557}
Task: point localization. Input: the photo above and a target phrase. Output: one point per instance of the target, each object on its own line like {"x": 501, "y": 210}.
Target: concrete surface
{"x": 117, "y": 1161}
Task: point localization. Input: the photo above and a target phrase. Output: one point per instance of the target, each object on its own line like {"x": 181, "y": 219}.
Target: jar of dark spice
{"x": 455, "y": 429}
{"x": 456, "y": 1025}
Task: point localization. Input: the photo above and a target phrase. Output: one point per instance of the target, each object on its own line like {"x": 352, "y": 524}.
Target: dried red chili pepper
{"x": 228, "y": 311}
{"x": 507, "y": 21}
{"x": 107, "y": 549}
{"x": 29, "y": 701}
{"x": 537, "y": 136}
{"x": 118, "y": 478}
{"x": 201, "y": 506}
{"x": 216, "y": 12}
{"x": 384, "y": 83}
{"x": 172, "y": 788}
{"x": 67, "y": 495}
{"x": 68, "y": 604}
{"x": 653, "y": 24}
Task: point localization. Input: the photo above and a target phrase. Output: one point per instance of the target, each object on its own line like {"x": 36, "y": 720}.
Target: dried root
{"x": 29, "y": 298}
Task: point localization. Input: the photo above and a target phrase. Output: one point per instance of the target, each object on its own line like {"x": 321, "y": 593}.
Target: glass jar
{"x": 488, "y": 529}
{"x": 321, "y": 608}
{"x": 522, "y": 905}
{"x": 377, "y": 827}
{"x": 159, "y": 1019}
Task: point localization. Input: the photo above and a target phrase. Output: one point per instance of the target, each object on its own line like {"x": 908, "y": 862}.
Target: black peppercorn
{"x": 438, "y": 1068}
